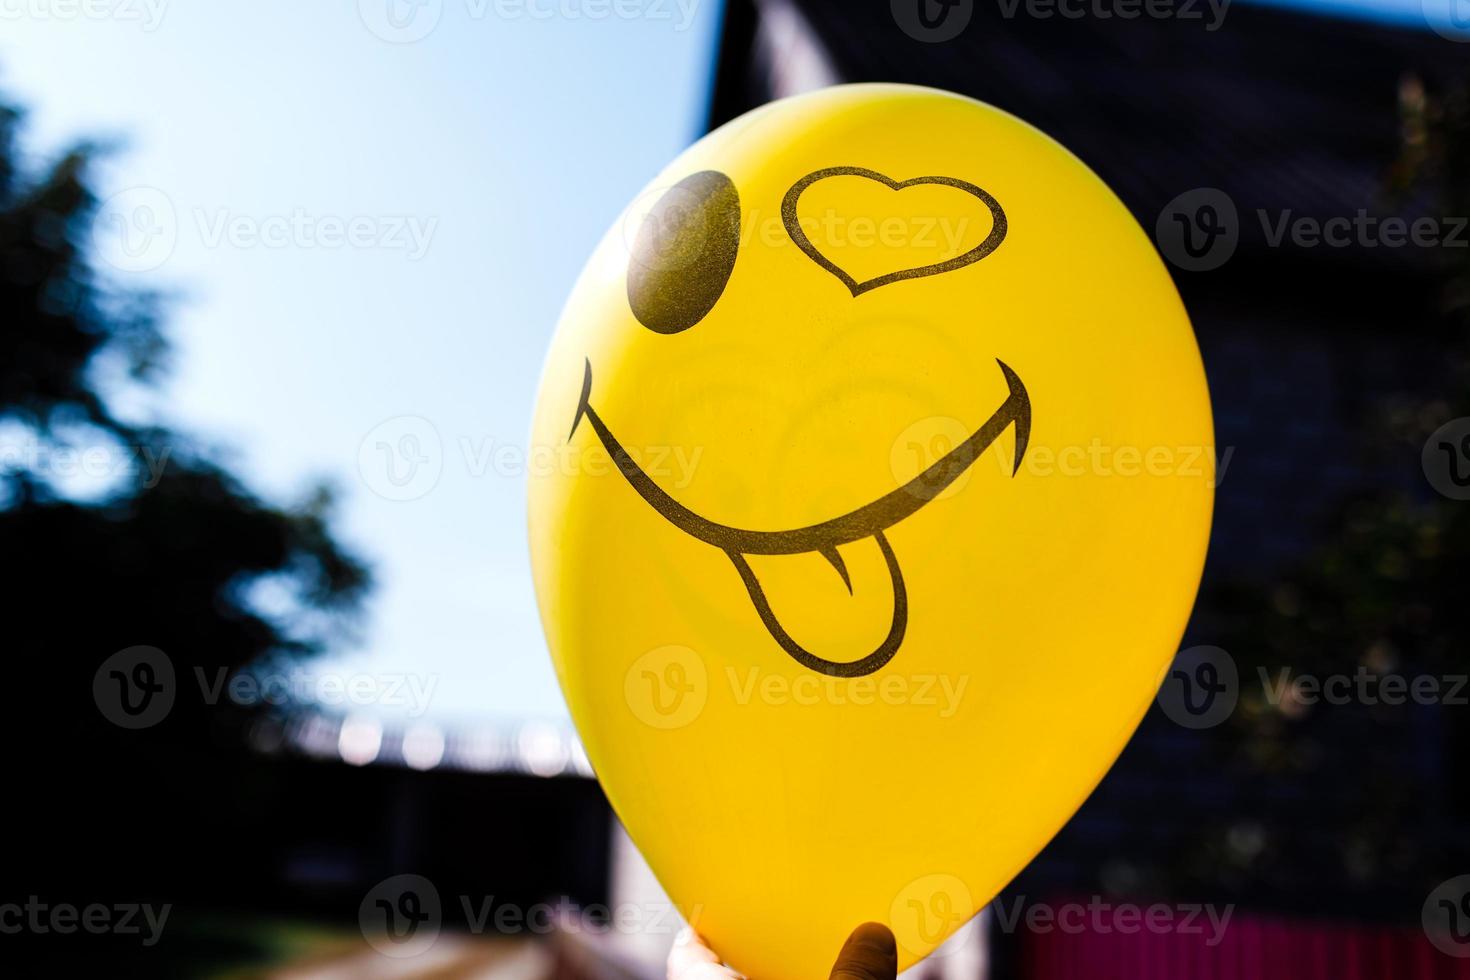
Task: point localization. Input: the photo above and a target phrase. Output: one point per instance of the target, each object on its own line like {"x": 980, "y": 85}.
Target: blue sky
{"x": 1449, "y": 16}
{"x": 371, "y": 211}
{"x": 481, "y": 163}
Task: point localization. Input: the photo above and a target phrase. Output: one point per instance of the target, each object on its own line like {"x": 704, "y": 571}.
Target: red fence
{"x": 1248, "y": 948}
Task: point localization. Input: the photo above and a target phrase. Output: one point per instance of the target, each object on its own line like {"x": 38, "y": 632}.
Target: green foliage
{"x": 1359, "y": 799}
{"x": 169, "y": 555}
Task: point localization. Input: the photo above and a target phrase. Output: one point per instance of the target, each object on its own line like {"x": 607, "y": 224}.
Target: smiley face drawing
{"x": 692, "y": 236}
{"x": 870, "y": 487}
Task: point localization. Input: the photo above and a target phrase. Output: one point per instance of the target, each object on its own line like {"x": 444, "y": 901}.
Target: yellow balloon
{"x": 870, "y": 493}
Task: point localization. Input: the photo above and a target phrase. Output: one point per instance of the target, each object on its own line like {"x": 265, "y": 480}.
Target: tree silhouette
{"x": 165, "y": 552}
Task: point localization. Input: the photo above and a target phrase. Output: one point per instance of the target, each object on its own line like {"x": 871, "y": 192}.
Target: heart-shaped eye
{"x": 684, "y": 252}
{"x": 858, "y": 287}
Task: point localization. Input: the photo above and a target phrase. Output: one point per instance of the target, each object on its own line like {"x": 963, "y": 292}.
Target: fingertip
{"x": 870, "y": 953}
{"x": 690, "y": 956}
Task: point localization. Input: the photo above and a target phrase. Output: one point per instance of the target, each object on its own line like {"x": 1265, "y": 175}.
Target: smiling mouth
{"x": 867, "y": 521}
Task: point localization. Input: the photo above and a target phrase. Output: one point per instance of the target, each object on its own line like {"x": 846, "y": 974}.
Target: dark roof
{"x": 1281, "y": 110}
{"x": 1302, "y": 346}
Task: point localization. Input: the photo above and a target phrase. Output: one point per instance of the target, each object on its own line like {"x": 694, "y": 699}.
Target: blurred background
{"x": 276, "y": 280}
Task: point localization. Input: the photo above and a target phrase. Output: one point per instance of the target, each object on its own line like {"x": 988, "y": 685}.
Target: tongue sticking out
{"x": 853, "y": 668}
{"x": 867, "y": 522}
